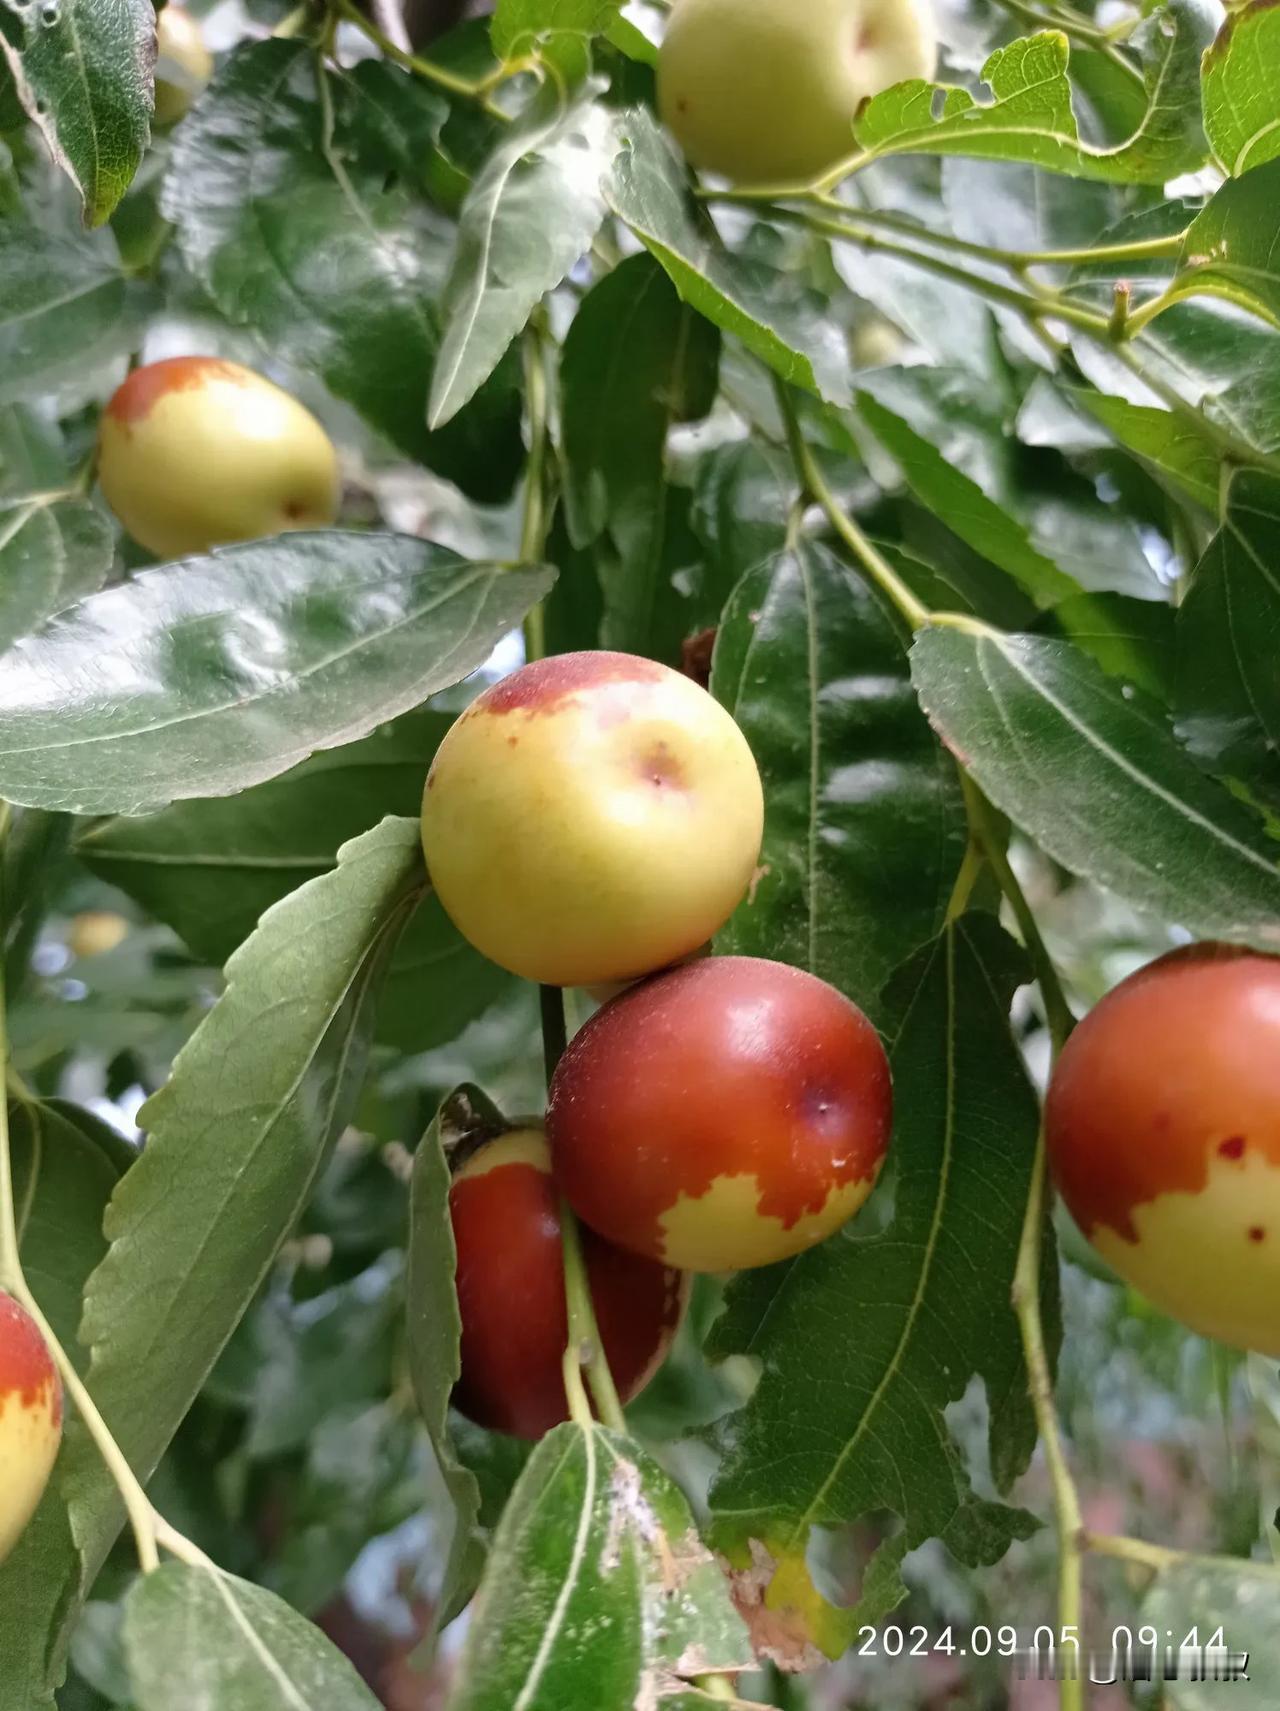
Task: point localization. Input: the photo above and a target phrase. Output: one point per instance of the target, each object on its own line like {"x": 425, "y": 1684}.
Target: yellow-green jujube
{"x": 591, "y": 818}
{"x": 30, "y": 1420}
{"x": 94, "y": 932}
{"x": 184, "y": 64}
{"x": 765, "y": 91}
{"x": 195, "y": 452}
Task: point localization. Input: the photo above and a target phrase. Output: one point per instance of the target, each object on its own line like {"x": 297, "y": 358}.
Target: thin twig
{"x": 814, "y": 483}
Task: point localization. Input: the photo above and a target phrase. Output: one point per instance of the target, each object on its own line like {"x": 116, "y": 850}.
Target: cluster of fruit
{"x": 595, "y": 817}
{"x": 589, "y": 820}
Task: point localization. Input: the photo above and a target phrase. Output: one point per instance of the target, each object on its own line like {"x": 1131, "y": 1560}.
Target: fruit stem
{"x": 1066, "y": 1501}
{"x": 427, "y": 69}
{"x": 584, "y": 1352}
{"x": 1158, "y": 1558}
{"x": 554, "y": 1033}
{"x": 814, "y": 484}
{"x": 986, "y": 832}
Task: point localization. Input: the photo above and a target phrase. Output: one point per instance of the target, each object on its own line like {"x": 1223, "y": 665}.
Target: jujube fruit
{"x": 726, "y": 1114}
{"x": 511, "y": 1293}
{"x": 184, "y": 64}
{"x": 30, "y": 1420}
{"x": 94, "y": 932}
{"x": 592, "y": 817}
{"x": 195, "y": 452}
{"x": 765, "y": 91}
{"x": 1163, "y": 1134}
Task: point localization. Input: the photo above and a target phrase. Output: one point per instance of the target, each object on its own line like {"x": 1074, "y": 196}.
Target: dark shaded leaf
{"x": 864, "y": 826}
{"x": 1229, "y": 640}
{"x": 286, "y": 213}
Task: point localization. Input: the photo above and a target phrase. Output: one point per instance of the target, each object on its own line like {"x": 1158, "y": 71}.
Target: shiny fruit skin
{"x": 727, "y": 1114}
{"x": 765, "y": 91}
{"x": 592, "y": 817}
{"x": 195, "y": 452}
{"x": 511, "y": 1295}
{"x": 184, "y": 64}
{"x": 30, "y": 1420}
{"x": 1163, "y": 1133}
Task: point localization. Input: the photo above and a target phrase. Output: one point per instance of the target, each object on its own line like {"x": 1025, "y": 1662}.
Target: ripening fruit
{"x": 726, "y": 1114}
{"x": 194, "y": 451}
{"x": 95, "y": 932}
{"x": 30, "y": 1420}
{"x": 511, "y": 1293}
{"x": 1163, "y": 1130}
{"x": 184, "y": 64}
{"x": 765, "y": 91}
{"x": 591, "y": 818}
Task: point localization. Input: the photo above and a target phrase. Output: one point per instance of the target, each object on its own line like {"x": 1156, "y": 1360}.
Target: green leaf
{"x": 529, "y": 217}
{"x": 1230, "y": 249}
{"x": 66, "y": 1164}
{"x": 65, "y": 308}
{"x": 65, "y": 1169}
{"x": 1225, "y": 364}
{"x": 364, "y": 1475}
{"x": 30, "y": 867}
{"x": 864, "y": 825}
{"x": 636, "y": 361}
{"x": 1229, "y": 640}
{"x": 1173, "y": 447}
{"x": 1130, "y": 639}
{"x": 881, "y": 1333}
{"x": 239, "y": 1133}
{"x": 1029, "y": 116}
{"x": 202, "y": 1638}
{"x": 1205, "y": 1594}
{"x": 311, "y": 1359}
{"x": 53, "y": 548}
{"x": 435, "y": 1327}
{"x": 199, "y": 678}
{"x": 437, "y": 983}
{"x": 1093, "y": 773}
{"x": 312, "y": 231}
{"x": 599, "y": 1592}
{"x": 82, "y": 70}
{"x": 237, "y": 1139}
{"x": 559, "y": 32}
{"x": 964, "y": 507}
{"x": 649, "y": 191}
{"x": 741, "y": 495}
{"x": 1240, "y": 72}
{"x": 210, "y": 869}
